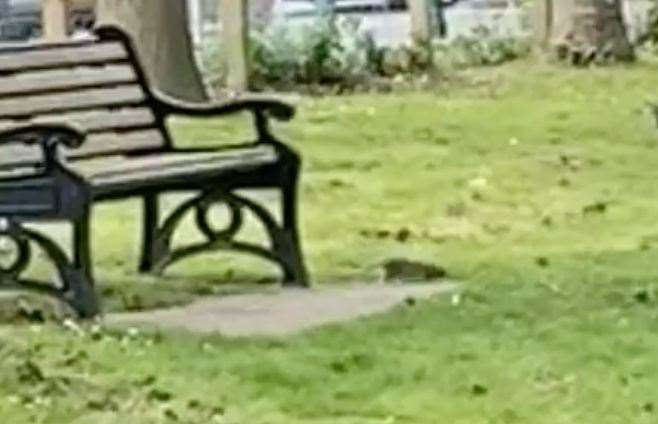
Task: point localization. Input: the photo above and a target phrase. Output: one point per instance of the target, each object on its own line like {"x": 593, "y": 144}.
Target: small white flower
{"x": 132, "y": 332}
{"x": 73, "y": 327}
{"x": 479, "y": 182}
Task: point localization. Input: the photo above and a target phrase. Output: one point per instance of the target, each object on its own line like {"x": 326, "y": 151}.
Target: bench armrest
{"x": 247, "y": 102}
{"x": 48, "y": 136}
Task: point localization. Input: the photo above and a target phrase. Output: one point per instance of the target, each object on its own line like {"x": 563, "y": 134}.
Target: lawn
{"x": 534, "y": 185}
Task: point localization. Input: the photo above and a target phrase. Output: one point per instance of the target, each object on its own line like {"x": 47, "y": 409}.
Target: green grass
{"x": 536, "y": 186}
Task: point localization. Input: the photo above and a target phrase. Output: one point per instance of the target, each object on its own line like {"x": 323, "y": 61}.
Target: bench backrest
{"x": 96, "y": 84}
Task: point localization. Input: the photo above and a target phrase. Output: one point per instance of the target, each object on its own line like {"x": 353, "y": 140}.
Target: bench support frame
{"x": 158, "y": 252}
{"x": 75, "y": 275}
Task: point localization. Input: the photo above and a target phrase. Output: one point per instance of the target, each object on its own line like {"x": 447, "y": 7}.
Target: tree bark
{"x": 162, "y": 38}
{"x": 235, "y": 38}
{"x": 55, "y": 19}
{"x": 583, "y": 31}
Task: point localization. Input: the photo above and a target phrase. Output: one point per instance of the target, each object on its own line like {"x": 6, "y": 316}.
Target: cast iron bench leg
{"x": 79, "y": 276}
{"x": 150, "y": 226}
{"x": 289, "y": 247}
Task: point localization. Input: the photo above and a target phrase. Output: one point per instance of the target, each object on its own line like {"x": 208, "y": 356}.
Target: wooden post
{"x": 55, "y": 15}
{"x": 542, "y": 21}
{"x": 421, "y": 20}
{"x": 235, "y": 30}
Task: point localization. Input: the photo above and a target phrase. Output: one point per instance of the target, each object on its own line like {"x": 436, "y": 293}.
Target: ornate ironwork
{"x": 219, "y": 239}
{"x": 16, "y": 242}
{"x": 15, "y": 254}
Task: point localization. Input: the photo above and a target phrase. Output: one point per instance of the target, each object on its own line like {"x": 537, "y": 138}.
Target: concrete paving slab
{"x": 282, "y": 313}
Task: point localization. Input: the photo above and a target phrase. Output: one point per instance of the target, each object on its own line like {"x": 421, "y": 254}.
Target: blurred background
{"x": 388, "y": 20}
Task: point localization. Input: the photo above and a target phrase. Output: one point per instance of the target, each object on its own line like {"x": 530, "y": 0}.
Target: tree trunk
{"x": 583, "y": 31}
{"x": 421, "y": 21}
{"x": 235, "y": 38}
{"x": 55, "y": 19}
{"x": 163, "y": 42}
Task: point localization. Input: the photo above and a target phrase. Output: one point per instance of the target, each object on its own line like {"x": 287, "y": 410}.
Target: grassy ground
{"x": 534, "y": 185}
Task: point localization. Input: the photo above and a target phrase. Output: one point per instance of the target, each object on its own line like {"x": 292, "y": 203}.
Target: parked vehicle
{"x": 23, "y": 20}
{"x": 291, "y": 8}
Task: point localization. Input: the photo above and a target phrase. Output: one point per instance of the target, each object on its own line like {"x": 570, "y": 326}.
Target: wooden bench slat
{"x": 42, "y": 44}
{"x": 103, "y": 120}
{"x": 18, "y": 155}
{"x": 70, "y": 101}
{"x": 120, "y": 170}
{"x": 112, "y": 166}
{"x": 57, "y": 57}
{"x": 113, "y": 169}
{"x": 107, "y": 143}
{"x": 95, "y": 120}
{"x": 44, "y": 81}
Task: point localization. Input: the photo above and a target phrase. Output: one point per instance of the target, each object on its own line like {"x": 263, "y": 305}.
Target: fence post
{"x": 55, "y": 15}
{"x": 235, "y": 29}
{"x": 421, "y": 20}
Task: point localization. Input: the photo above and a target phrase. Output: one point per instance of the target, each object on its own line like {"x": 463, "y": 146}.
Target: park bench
{"x": 80, "y": 124}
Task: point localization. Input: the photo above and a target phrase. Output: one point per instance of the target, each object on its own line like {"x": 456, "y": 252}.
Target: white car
{"x": 291, "y": 8}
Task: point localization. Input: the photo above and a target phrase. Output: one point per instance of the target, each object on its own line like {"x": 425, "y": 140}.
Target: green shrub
{"x": 483, "y": 48}
{"x": 328, "y": 51}
{"x": 335, "y": 51}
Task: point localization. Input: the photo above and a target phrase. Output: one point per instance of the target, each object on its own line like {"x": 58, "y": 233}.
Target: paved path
{"x": 281, "y": 313}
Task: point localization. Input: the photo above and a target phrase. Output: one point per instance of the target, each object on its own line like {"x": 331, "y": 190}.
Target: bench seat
{"x": 110, "y": 174}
